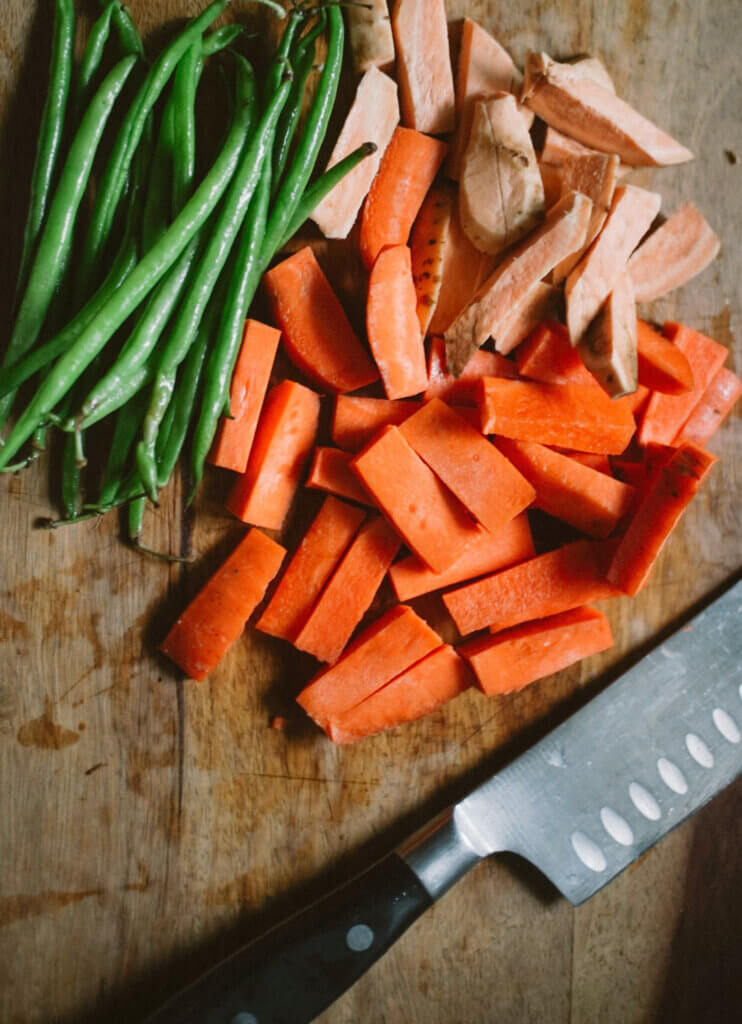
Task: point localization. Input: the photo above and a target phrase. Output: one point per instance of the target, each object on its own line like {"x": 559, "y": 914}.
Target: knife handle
{"x": 296, "y": 971}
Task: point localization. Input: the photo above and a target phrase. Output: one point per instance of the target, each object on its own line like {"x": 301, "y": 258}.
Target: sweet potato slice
{"x": 371, "y": 40}
{"x": 561, "y": 234}
{"x": 424, "y": 65}
{"x": 463, "y": 269}
{"x": 673, "y": 254}
{"x": 372, "y": 118}
{"x": 716, "y": 403}
{"x": 608, "y": 347}
{"x": 541, "y": 302}
{"x": 581, "y": 108}
{"x": 592, "y": 280}
{"x": 595, "y": 176}
{"x": 501, "y": 195}
{"x": 428, "y": 244}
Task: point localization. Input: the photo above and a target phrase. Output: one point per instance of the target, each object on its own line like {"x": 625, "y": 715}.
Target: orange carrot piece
{"x": 249, "y": 384}
{"x": 566, "y": 415}
{"x": 392, "y": 325}
{"x": 393, "y": 643}
{"x": 372, "y": 118}
{"x": 356, "y": 421}
{"x": 330, "y": 471}
{"x": 512, "y": 659}
{"x": 666, "y": 415}
{"x": 545, "y": 585}
{"x": 600, "y": 463}
{"x": 428, "y": 243}
{"x": 716, "y": 403}
{"x": 547, "y": 355}
{"x": 673, "y": 254}
{"x": 411, "y": 577}
{"x": 462, "y": 390}
{"x": 349, "y": 592}
{"x": 662, "y": 365}
{"x": 431, "y": 520}
{"x": 635, "y": 402}
{"x": 483, "y": 480}
{"x": 463, "y": 268}
{"x": 590, "y": 500}
{"x": 484, "y": 68}
{"x": 316, "y": 332}
{"x": 312, "y": 565}
{"x": 408, "y": 167}
{"x": 282, "y": 446}
{"x": 216, "y": 617}
{"x": 424, "y": 65}
{"x": 657, "y": 516}
{"x": 429, "y": 684}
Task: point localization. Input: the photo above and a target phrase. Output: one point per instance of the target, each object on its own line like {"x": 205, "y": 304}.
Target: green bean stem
{"x": 141, "y": 280}
{"x": 295, "y": 182}
{"x": 92, "y": 58}
{"x": 220, "y": 244}
{"x": 126, "y": 427}
{"x": 50, "y": 131}
{"x": 322, "y": 187}
{"x": 56, "y": 236}
{"x": 130, "y": 41}
{"x": 115, "y": 175}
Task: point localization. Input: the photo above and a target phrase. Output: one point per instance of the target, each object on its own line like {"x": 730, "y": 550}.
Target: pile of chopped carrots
{"x": 505, "y": 368}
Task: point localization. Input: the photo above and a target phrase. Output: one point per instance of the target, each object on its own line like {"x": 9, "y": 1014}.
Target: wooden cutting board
{"x": 148, "y": 824}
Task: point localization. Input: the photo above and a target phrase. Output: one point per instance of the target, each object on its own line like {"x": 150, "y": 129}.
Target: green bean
{"x": 114, "y": 177}
{"x": 184, "y": 125}
{"x": 71, "y": 473}
{"x": 242, "y": 287}
{"x": 92, "y": 58}
{"x": 128, "y": 422}
{"x": 129, "y": 39}
{"x": 133, "y": 383}
{"x": 56, "y": 236}
{"x": 280, "y": 57}
{"x": 322, "y": 186}
{"x": 301, "y": 62}
{"x": 295, "y": 181}
{"x": 221, "y": 38}
{"x": 156, "y": 208}
{"x": 141, "y": 280}
{"x": 220, "y": 244}
{"x": 50, "y": 131}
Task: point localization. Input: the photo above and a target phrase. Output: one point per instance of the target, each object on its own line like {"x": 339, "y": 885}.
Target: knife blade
{"x": 581, "y": 805}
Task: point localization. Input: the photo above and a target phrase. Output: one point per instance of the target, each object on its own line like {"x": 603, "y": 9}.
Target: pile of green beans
{"x": 147, "y": 348}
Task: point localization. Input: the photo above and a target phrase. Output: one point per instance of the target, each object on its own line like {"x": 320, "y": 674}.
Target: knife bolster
{"x": 440, "y": 854}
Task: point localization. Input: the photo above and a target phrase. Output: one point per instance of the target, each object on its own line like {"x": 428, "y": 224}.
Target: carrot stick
{"x": 547, "y": 355}
{"x": 567, "y": 415}
{"x": 431, "y": 520}
{"x": 600, "y": 463}
{"x": 489, "y": 552}
{"x": 590, "y": 500}
{"x": 249, "y": 384}
{"x": 316, "y": 332}
{"x": 716, "y": 403}
{"x": 392, "y": 325}
{"x": 429, "y": 684}
{"x": 217, "y": 615}
{"x": 424, "y": 65}
{"x": 662, "y": 365}
{"x": 483, "y": 480}
{"x": 666, "y": 415}
{"x": 357, "y": 420}
{"x": 657, "y": 516}
{"x": 282, "y": 446}
{"x": 512, "y": 659}
{"x": 393, "y": 643}
{"x": 330, "y": 471}
{"x": 312, "y": 565}
{"x": 408, "y": 167}
{"x": 462, "y": 390}
{"x": 349, "y": 592}
{"x": 545, "y": 585}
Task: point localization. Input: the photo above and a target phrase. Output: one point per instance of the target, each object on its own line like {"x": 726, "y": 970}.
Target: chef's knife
{"x": 581, "y": 805}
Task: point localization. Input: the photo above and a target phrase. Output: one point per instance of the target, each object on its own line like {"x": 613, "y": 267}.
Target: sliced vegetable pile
{"x": 505, "y": 367}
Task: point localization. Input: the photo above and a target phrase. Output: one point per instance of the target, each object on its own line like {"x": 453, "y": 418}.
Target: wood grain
{"x": 147, "y": 824}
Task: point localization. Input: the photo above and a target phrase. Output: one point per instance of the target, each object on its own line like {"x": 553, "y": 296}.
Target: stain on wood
{"x": 178, "y": 823}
